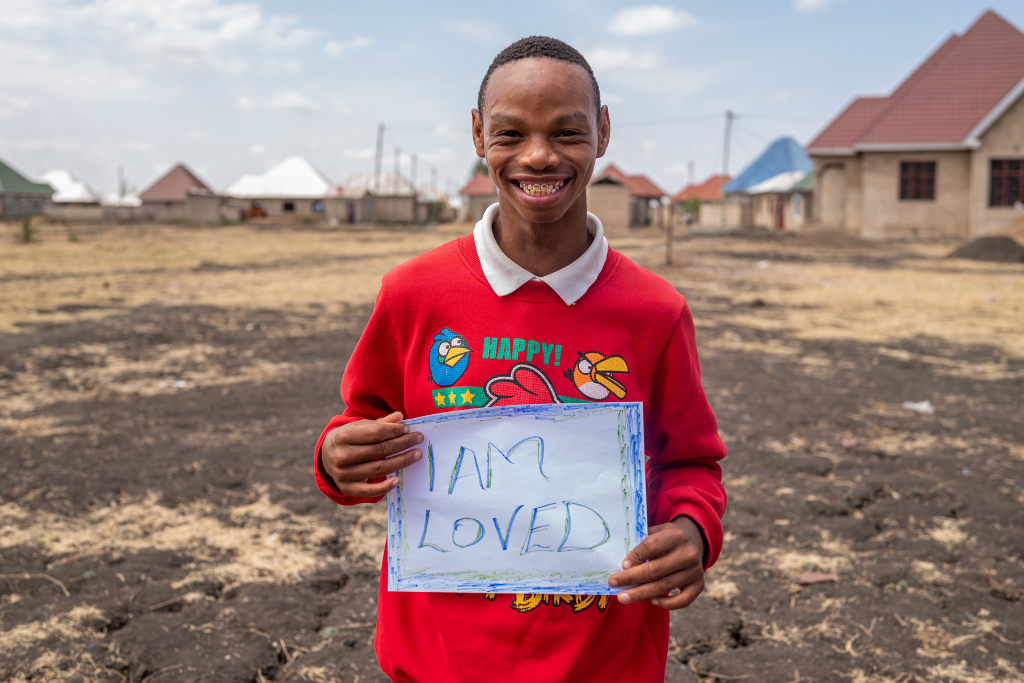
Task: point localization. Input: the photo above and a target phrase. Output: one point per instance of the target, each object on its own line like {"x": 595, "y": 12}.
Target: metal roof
{"x": 14, "y": 182}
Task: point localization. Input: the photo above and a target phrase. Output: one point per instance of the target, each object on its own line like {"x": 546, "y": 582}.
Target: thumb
{"x": 393, "y": 417}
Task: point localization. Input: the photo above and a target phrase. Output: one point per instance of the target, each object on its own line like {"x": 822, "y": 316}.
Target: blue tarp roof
{"x": 785, "y": 154}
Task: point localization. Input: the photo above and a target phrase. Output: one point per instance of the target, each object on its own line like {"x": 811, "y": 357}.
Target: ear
{"x": 478, "y": 134}
{"x": 604, "y": 131}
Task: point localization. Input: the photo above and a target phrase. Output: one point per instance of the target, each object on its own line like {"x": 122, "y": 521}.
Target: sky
{"x": 231, "y": 87}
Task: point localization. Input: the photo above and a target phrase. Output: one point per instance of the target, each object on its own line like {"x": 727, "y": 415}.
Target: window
{"x": 318, "y": 207}
{"x": 1007, "y": 182}
{"x": 289, "y": 207}
{"x": 797, "y": 199}
{"x": 917, "y": 180}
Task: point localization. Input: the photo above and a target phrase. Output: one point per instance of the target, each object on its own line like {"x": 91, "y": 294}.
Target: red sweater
{"x": 635, "y": 330}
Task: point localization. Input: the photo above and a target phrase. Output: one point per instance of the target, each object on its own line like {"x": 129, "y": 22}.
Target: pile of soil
{"x": 1016, "y": 230}
{"x": 997, "y": 248}
{"x": 831, "y": 239}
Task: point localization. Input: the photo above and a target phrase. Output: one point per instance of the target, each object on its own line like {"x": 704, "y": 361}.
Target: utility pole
{"x": 376, "y": 167}
{"x": 398, "y": 162}
{"x": 690, "y": 174}
{"x": 725, "y": 156}
{"x": 412, "y": 181}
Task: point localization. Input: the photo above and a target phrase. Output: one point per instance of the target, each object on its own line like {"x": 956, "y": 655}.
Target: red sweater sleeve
{"x": 683, "y": 474}
{"x": 371, "y": 388}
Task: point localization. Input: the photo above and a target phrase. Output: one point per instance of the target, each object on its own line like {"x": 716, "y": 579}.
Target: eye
{"x": 584, "y": 366}
{"x": 458, "y": 341}
{"x": 508, "y": 134}
{"x": 444, "y": 348}
{"x": 566, "y": 133}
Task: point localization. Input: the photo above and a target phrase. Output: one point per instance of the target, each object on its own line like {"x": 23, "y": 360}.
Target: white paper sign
{"x": 520, "y": 499}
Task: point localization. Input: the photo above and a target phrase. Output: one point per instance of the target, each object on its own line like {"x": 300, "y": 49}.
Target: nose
{"x": 538, "y": 154}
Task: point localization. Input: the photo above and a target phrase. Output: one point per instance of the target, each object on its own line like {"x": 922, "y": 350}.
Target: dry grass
{"x": 117, "y": 268}
{"x": 264, "y": 542}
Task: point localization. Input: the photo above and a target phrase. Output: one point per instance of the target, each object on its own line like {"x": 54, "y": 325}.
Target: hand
{"x": 353, "y": 453}
{"x": 666, "y": 567}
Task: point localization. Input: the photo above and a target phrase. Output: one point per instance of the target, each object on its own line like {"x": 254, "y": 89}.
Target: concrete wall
{"x": 795, "y": 207}
{"x": 1004, "y": 140}
{"x": 886, "y": 215}
{"x": 838, "y": 196}
{"x": 610, "y": 203}
{"x": 18, "y": 205}
{"x": 473, "y": 207}
{"x": 739, "y": 212}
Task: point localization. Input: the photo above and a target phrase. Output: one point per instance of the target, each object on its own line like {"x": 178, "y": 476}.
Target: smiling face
{"x": 541, "y": 136}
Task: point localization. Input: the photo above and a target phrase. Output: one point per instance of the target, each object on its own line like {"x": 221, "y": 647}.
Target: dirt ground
{"x": 161, "y": 390}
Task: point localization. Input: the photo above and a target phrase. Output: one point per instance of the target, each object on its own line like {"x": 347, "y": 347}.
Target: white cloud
{"x": 648, "y": 20}
{"x": 611, "y": 98}
{"x": 257, "y": 150}
{"x": 649, "y": 146}
{"x": 12, "y": 108}
{"x": 181, "y": 34}
{"x": 343, "y": 107}
{"x": 336, "y": 48}
{"x": 274, "y": 66}
{"x": 245, "y": 103}
{"x": 812, "y": 5}
{"x": 31, "y": 66}
{"x": 437, "y": 155}
{"x": 359, "y": 154}
{"x": 138, "y": 146}
{"x": 606, "y": 58}
{"x": 294, "y": 101}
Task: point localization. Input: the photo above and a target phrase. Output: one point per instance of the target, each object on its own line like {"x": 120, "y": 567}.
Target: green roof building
{"x": 19, "y": 196}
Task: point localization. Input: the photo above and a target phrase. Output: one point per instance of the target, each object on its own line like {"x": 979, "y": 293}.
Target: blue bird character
{"x": 449, "y": 357}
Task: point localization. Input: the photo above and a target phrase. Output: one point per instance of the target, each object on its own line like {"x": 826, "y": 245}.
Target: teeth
{"x": 540, "y": 189}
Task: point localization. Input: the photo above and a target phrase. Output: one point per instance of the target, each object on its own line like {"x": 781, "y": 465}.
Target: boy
{"x": 533, "y": 307}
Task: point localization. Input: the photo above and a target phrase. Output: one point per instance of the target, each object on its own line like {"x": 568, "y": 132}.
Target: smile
{"x": 539, "y": 189}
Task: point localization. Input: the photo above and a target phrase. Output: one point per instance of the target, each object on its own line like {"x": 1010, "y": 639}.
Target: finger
{"x": 380, "y": 468}
{"x": 659, "y": 588}
{"x": 355, "y": 455}
{"x": 364, "y": 489}
{"x": 393, "y": 417}
{"x": 367, "y": 432}
{"x": 660, "y": 540}
{"x": 685, "y": 597}
{"x": 682, "y": 558}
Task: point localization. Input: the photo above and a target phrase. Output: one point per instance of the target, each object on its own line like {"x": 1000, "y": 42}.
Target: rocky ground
{"x": 161, "y": 389}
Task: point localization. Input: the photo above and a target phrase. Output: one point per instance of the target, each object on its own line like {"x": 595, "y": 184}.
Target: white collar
{"x": 506, "y": 276}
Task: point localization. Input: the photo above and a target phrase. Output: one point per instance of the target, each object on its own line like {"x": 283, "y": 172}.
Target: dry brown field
{"x": 162, "y": 388}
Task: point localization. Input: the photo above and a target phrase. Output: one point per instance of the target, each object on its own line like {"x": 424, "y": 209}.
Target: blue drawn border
{"x": 590, "y": 583}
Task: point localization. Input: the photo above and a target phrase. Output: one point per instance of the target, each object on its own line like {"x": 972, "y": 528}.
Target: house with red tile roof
{"x": 704, "y": 200}
{"x": 477, "y": 195}
{"x": 624, "y": 201}
{"x": 943, "y": 154}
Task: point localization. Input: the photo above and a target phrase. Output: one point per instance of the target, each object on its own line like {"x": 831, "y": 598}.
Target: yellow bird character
{"x": 593, "y": 375}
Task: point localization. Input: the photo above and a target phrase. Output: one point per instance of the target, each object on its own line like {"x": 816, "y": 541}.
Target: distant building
{"x": 942, "y": 154}
{"x": 783, "y": 202}
{"x": 68, "y": 189}
{"x": 709, "y": 196}
{"x": 384, "y": 198}
{"x": 623, "y": 201}
{"x": 293, "y": 187}
{"x": 782, "y": 156}
{"x": 19, "y": 196}
{"x": 180, "y": 195}
{"x": 477, "y": 195}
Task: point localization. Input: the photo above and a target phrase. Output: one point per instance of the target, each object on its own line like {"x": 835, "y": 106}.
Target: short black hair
{"x": 539, "y": 46}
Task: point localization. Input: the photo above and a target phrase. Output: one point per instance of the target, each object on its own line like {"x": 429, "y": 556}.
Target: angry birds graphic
{"x": 593, "y": 374}
{"x": 449, "y": 357}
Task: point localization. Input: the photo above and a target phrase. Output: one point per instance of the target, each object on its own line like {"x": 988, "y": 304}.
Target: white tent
{"x": 293, "y": 177}
{"x": 387, "y": 185}
{"x": 69, "y": 189}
